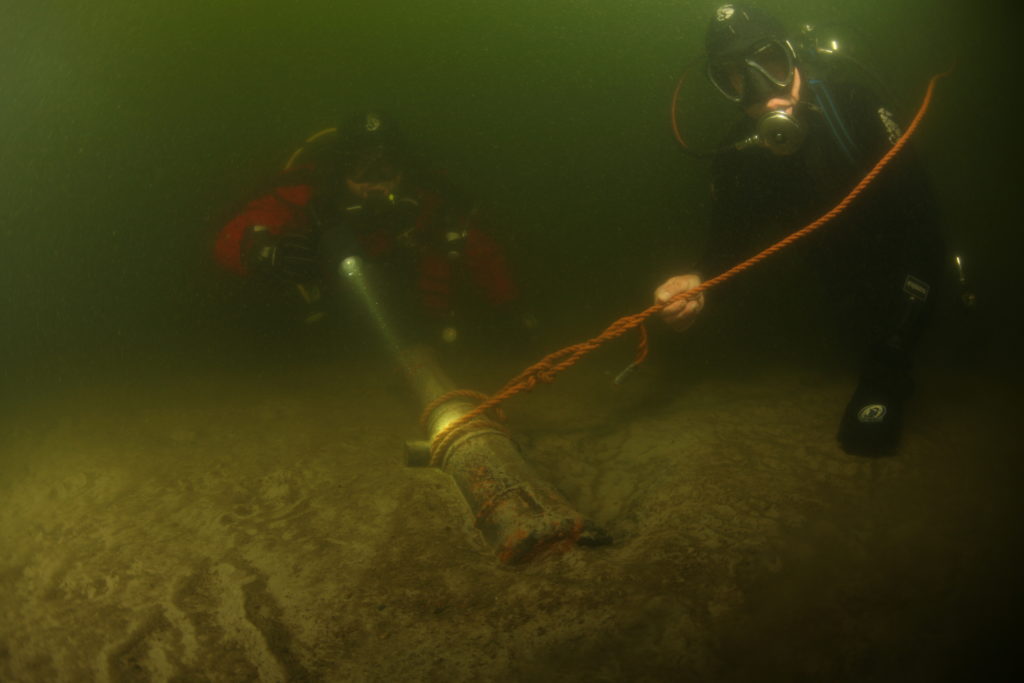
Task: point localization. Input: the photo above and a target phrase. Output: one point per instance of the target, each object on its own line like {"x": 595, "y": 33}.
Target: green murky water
{"x": 130, "y": 131}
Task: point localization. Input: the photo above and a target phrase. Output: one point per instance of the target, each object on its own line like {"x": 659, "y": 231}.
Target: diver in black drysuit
{"x": 879, "y": 262}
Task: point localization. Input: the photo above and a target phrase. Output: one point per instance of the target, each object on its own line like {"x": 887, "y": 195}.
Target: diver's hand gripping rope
{"x": 551, "y": 365}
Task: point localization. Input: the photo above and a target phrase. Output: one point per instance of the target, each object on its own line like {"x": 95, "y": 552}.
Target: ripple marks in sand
{"x": 222, "y": 624}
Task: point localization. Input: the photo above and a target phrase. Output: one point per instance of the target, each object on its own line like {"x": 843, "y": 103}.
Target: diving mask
{"x": 765, "y": 72}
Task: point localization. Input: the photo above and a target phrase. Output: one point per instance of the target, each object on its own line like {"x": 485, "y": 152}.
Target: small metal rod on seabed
{"x": 519, "y": 514}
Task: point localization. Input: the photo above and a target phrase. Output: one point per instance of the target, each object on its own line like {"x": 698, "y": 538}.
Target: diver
{"x": 360, "y": 191}
{"x": 809, "y": 131}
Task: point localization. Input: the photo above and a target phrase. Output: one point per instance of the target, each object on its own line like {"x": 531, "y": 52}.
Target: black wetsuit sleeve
{"x": 902, "y": 199}
{"x": 891, "y": 248}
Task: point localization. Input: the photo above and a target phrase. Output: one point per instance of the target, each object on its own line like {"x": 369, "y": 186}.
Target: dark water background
{"x": 130, "y": 131}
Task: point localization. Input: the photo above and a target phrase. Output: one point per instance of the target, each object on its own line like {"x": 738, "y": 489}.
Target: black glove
{"x": 288, "y": 256}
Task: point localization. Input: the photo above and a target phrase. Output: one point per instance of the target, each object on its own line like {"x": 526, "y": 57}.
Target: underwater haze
{"x": 172, "y": 460}
{"x": 133, "y": 130}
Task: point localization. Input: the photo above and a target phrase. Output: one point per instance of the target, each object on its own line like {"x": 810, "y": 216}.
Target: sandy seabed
{"x": 218, "y": 527}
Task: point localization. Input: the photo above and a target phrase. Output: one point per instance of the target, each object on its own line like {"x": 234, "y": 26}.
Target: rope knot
{"x": 546, "y": 375}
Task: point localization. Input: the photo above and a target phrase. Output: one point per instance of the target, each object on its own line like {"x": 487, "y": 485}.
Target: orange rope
{"x": 674, "y": 110}
{"x": 551, "y": 365}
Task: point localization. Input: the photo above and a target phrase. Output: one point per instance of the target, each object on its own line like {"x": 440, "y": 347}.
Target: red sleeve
{"x": 489, "y": 268}
{"x": 277, "y": 211}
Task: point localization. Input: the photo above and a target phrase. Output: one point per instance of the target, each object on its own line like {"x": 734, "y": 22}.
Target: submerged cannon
{"x": 519, "y": 514}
